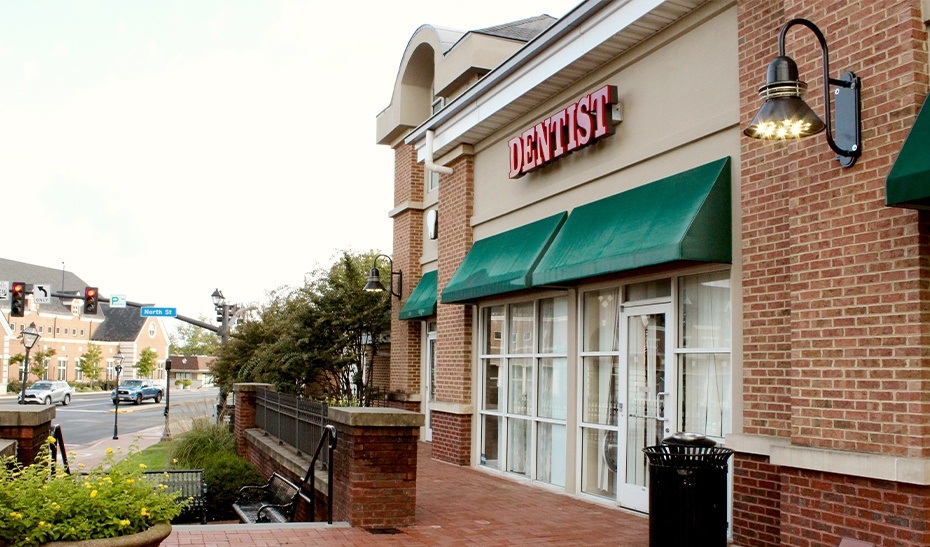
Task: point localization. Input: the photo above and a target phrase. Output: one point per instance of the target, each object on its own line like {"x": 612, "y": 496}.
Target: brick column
{"x": 244, "y": 416}
{"x": 408, "y": 249}
{"x": 452, "y": 429}
{"x": 29, "y": 427}
{"x": 375, "y": 466}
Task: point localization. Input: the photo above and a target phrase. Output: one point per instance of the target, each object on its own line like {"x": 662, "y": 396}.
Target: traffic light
{"x": 17, "y": 299}
{"x": 90, "y": 300}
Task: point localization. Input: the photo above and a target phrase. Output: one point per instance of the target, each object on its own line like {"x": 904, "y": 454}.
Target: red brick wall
{"x": 822, "y": 508}
{"x": 451, "y": 437}
{"x": 836, "y": 286}
{"x": 408, "y": 249}
{"x": 454, "y": 329}
{"x": 375, "y": 476}
{"x": 756, "y": 500}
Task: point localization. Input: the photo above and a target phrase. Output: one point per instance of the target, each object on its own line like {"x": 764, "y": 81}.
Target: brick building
{"x": 596, "y": 256}
{"x": 64, "y": 327}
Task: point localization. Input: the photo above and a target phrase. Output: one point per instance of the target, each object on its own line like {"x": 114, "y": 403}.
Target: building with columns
{"x": 65, "y": 328}
{"x": 596, "y": 255}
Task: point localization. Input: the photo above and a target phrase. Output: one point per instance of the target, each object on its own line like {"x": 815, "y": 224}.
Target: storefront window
{"x": 599, "y": 462}
{"x": 599, "y": 384}
{"x": 600, "y": 320}
{"x": 525, "y": 388}
{"x": 704, "y": 369}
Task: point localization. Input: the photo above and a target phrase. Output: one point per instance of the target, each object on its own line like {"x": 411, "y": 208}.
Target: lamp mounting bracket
{"x": 847, "y": 104}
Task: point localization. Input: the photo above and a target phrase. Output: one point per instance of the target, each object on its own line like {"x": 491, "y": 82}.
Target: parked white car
{"x": 46, "y": 392}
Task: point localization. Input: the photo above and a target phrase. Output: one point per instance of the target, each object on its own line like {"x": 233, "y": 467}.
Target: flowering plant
{"x": 40, "y": 502}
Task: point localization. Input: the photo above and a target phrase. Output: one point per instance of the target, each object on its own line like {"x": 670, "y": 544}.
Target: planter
{"x": 149, "y": 538}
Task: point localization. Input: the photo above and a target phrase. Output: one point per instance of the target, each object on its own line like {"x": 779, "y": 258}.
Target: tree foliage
{"x": 314, "y": 339}
{"x": 38, "y": 361}
{"x": 89, "y": 364}
{"x": 146, "y": 364}
{"x": 193, "y": 340}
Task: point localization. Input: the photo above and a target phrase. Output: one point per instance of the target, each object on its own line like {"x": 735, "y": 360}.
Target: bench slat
{"x": 276, "y": 504}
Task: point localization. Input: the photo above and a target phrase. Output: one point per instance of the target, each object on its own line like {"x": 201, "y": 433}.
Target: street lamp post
{"x": 222, "y": 314}
{"x": 118, "y": 368}
{"x": 166, "y": 435}
{"x": 30, "y": 337}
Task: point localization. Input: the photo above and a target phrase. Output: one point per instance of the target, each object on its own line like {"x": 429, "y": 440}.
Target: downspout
{"x": 428, "y": 157}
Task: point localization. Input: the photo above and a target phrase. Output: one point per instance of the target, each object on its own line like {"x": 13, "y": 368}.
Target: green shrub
{"x": 204, "y": 439}
{"x": 14, "y": 386}
{"x": 225, "y": 473}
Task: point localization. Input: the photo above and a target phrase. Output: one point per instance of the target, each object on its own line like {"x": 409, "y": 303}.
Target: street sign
{"x": 42, "y": 294}
{"x": 4, "y": 290}
{"x": 117, "y": 300}
{"x": 158, "y": 312}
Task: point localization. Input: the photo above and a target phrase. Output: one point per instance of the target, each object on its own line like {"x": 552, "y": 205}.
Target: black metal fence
{"x": 294, "y": 420}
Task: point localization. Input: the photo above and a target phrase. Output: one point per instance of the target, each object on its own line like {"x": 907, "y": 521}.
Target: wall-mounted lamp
{"x": 785, "y": 114}
{"x": 374, "y": 278}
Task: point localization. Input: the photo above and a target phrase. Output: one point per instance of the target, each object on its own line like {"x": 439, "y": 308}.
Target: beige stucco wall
{"x": 680, "y": 99}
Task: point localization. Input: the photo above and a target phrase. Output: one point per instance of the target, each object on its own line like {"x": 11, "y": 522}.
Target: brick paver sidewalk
{"x": 455, "y": 506}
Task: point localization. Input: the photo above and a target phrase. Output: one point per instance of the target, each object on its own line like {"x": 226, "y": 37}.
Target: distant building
{"x": 195, "y": 368}
{"x": 64, "y": 327}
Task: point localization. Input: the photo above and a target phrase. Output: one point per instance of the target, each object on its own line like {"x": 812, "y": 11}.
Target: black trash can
{"x": 687, "y": 491}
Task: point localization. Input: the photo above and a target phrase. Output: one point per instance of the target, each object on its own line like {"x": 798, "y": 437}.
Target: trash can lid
{"x": 688, "y": 439}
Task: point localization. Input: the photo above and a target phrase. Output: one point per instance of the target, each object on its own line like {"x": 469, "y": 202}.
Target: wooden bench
{"x": 273, "y": 501}
{"x": 190, "y": 485}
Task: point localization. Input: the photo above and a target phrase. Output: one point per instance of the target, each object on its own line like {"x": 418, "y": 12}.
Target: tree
{"x": 39, "y": 361}
{"x": 90, "y": 363}
{"x": 312, "y": 340}
{"x": 193, "y": 340}
{"x": 146, "y": 364}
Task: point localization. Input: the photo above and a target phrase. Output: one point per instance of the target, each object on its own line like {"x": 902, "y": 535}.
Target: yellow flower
{"x": 81, "y": 466}
{"x": 93, "y": 494}
{"x": 130, "y": 481}
{"x": 144, "y": 512}
{"x": 41, "y": 523}
{"x": 142, "y": 466}
{"x": 124, "y": 523}
{"x": 109, "y": 451}
{"x": 162, "y": 486}
{"x": 108, "y": 479}
{"x": 50, "y": 439}
{"x": 15, "y": 515}
{"x": 86, "y": 485}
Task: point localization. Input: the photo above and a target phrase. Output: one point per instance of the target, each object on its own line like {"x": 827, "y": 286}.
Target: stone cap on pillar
{"x": 252, "y": 386}
{"x": 26, "y": 416}
{"x": 355, "y": 416}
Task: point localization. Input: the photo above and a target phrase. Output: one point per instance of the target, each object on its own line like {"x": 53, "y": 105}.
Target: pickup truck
{"x": 137, "y": 391}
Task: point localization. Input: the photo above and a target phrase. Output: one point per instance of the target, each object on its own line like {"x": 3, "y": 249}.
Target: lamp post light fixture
{"x": 222, "y": 314}
{"x": 785, "y": 114}
{"x": 118, "y": 368}
{"x": 30, "y": 337}
{"x": 374, "y": 278}
{"x": 166, "y": 435}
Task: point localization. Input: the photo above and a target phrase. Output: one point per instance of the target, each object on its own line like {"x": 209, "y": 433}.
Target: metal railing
{"x": 329, "y": 435}
{"x": 294, "y": 420}
{"x": 59, "y": 446}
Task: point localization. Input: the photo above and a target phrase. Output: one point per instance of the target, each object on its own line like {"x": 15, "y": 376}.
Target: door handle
{"x": 660, "y": 406}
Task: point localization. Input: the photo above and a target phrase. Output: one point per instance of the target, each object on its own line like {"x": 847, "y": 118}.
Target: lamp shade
{"x": 30, "y": 336}
{"x": 374, "y": 281}
{"x": 784, "y": 114}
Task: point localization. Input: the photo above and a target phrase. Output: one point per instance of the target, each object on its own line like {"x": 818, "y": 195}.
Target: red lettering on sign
{"x": 577, "y": 125}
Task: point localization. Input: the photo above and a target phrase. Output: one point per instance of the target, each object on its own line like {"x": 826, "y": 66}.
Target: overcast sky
{"x": 163, "y": 149}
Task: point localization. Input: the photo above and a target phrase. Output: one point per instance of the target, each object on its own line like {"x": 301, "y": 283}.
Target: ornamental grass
{"x": 41, "y": 502}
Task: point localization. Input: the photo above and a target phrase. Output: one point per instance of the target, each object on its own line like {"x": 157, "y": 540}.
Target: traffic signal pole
{"x": 132, "y": 304}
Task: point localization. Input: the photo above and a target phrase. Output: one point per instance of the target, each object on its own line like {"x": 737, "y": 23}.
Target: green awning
{"x": 682, "y": 217}
{"x": 422, "y": 301}
{"x": 503, "y": 262}
{"x": 908, "y": 183}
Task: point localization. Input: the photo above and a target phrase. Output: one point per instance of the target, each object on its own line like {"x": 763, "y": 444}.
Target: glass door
{"x": 430, "y": 381}
{"x": 648, "y": 395}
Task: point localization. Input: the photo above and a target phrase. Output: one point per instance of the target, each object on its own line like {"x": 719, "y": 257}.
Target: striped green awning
{"x": 422, "y": 301}
{"x": 908, "y": 183}
{"x": 685, "y": 217}
{"x": 503, "y": 262}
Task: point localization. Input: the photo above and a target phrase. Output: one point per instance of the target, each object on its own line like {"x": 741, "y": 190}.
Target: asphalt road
{"x": 90, "y": 416}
